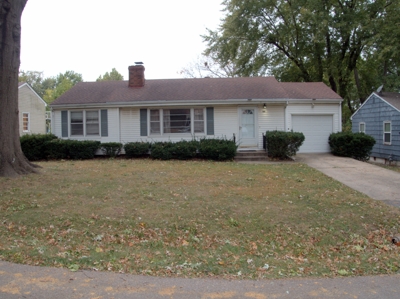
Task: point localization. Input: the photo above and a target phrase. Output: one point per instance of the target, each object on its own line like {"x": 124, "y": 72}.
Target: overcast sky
{"x": 91, "y": 37}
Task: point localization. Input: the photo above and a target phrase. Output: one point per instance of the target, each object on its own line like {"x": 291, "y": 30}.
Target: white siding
{"x": 226, "y": 122}
{"x": 316, "y": 122}
{"x": 130, "y": 125}
{"x": 30, "y": 102}
{"x": 113, "y": 127}
{"x": 270, "y": 119}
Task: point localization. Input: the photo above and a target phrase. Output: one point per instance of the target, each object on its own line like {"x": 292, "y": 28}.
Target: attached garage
{"x": 316, "y": 129}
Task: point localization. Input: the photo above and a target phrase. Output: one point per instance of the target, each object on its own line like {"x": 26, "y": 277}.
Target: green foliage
{"x": 136, "y": 149}
{"x": 52, "y": 87}
{"x": 162, "y": 150}
{"x": 72, "y": 149}
{"x": 282, "y": 144}
{"x": 111, "y": 149}
{"x": 114, "y": 75}
{"x": 217, "y": 149}
{"x": 185, "y": 150}
{"x": 348, "y": 144}
{"x": 34, "y": 145}
{"x": 351, "y": 46}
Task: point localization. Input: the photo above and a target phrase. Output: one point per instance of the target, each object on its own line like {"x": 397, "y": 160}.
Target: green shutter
{"x": 64, "y": 123}
{"x": 104, "y": 123}
{"x": 210, "y": 120}
{"x": 143, "y": 122}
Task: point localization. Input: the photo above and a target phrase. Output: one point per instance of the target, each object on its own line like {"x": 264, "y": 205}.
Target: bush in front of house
{"x": 162, "y": 150}
{"x": 348, "y": 144}
{"x": 111, "y": 149}
{"x": 217, "y": 149}
{"x": 72, "y": 149}
{"x": 137, "y": 149}
{"x": 185, "y": 150}
{"x": 34, "y": 145}
{"x": 283, "y": 145}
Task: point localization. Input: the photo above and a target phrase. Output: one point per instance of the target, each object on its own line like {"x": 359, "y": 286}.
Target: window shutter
{"x": 104, "y": 123}
{"x": 64, "y": 123}
{"x": 143, "y": 122}
{"x": 210, "y": 120}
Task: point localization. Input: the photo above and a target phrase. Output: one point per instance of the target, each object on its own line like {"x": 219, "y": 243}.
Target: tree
{"x": 12, "y": 160}
{"x": 206, "y": 66}
{"x": 112, "y": 76}
{"x": 34, "y": 79}
{"x": 333, "y": 41}
{"x": 56, "y": 86}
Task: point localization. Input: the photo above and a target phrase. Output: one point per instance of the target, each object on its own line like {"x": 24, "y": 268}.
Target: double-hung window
{"x": 361, "y": 127}
{"x": 177, "y": 121}
{"x": 387, "y": 132}
{"x": 25, "y": 122}
{"x": 85, "y": 123}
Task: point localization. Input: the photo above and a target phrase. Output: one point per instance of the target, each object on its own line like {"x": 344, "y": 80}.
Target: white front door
{"x": 247, "y": 127}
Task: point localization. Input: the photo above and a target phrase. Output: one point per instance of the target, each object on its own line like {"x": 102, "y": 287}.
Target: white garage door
{"x": 316, "y": 129}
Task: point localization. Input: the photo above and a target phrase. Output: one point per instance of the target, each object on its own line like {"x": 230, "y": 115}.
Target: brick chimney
{"x": 136, "y": 75}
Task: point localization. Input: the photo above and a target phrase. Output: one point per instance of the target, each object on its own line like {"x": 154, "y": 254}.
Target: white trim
{"x": 385, "y": 132}
{"x": 29, "y": 122}
{"x": 359, "y": 127}
{"x": 256, "y": 125}
{"x": 374, "y": 93}
{"x": 84, "y": 123}
{"x": 26, "y": 84}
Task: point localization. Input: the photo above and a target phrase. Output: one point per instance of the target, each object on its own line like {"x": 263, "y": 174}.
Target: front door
{"x": 247, "y": 127}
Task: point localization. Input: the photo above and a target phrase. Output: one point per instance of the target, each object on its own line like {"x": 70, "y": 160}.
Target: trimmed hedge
{"x": 34, "y": 145}
{"x": 217, "y": 149}
{"x": 72, "y": 149}
{"x": 282, "y": 144}
{"x": 348, "y": 144}
{"x": 136, "y": 149}
{"x": 111, "y": 149}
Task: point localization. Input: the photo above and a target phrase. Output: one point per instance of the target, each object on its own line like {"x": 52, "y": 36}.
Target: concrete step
{"x": 251, "y": 156}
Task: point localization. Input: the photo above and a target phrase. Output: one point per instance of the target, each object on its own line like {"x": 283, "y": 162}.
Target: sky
{"x": 90, "y": 37}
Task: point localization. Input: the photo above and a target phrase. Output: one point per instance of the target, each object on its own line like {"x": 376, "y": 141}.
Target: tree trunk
{"x": 12, "y": 160}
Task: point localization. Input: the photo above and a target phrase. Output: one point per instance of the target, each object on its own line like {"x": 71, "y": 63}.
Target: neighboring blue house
{"x": 379, "y": 117}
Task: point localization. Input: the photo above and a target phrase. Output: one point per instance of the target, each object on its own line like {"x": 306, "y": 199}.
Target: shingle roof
{"x": 393, "y": 98}
{"x": 191, "y": 90}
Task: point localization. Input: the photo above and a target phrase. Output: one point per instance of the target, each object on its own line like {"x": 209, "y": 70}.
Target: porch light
{"x": 265, "y": 106}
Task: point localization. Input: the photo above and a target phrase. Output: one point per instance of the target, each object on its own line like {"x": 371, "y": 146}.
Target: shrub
{"x": 348, "y": 144}
{"x": 217, "y": 149}
{"x": 185, "y": 150}
{"x": 34, "y": 145}
{"x": 111, "y": 149}
{"x": 72, "y": 149}
{"x": 282, "y": 144}
{"x": 162, "y": 150}
{"x": 136, "y": 149}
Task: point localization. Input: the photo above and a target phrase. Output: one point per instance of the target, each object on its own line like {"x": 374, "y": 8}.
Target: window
{"x": 177, "y": 121}
{"x": 84, "y": 123}
{"x": 25, "y": 122}
{"x": 387, "y": 132}
{"x": 361, "y": 127}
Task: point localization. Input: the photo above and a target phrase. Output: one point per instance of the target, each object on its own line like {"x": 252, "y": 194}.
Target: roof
{"x": 22, "y": 84}
{"x": 193, "y": 90}
{"x": 393, "y": 98}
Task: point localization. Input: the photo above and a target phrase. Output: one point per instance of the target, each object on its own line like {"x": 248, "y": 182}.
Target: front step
{"x": 251, "y": 155}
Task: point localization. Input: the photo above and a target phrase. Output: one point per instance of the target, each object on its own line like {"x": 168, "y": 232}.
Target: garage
{"x": 316, "y": 129}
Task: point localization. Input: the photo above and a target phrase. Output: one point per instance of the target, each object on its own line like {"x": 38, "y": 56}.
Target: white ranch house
{"x": 183, "y": 109}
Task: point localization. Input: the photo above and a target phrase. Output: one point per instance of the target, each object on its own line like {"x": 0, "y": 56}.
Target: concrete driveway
{"x": 376, "y": 182}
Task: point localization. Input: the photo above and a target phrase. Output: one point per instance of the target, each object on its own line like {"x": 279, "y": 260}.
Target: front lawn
{"x": 195, "y": 219}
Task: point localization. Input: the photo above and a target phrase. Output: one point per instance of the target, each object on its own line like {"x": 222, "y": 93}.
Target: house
{"x": 32, "y": 111}
{"x": 379, "y": 117}
{"x": 183, "y": 109}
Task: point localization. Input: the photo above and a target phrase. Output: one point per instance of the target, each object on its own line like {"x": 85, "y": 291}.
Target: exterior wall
{"x": 373, "y": 113}
{"x": 30, "y": 102}
{"x": 317, "y": 109}
{"x": 270, "y": 119}
{"x": 113, "y": 127}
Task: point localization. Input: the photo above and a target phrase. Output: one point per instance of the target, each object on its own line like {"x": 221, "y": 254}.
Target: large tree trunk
{"x": 12, "y": 160}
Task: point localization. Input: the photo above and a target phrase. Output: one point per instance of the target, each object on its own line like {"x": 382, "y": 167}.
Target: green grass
{"x": 195, "y": 219}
